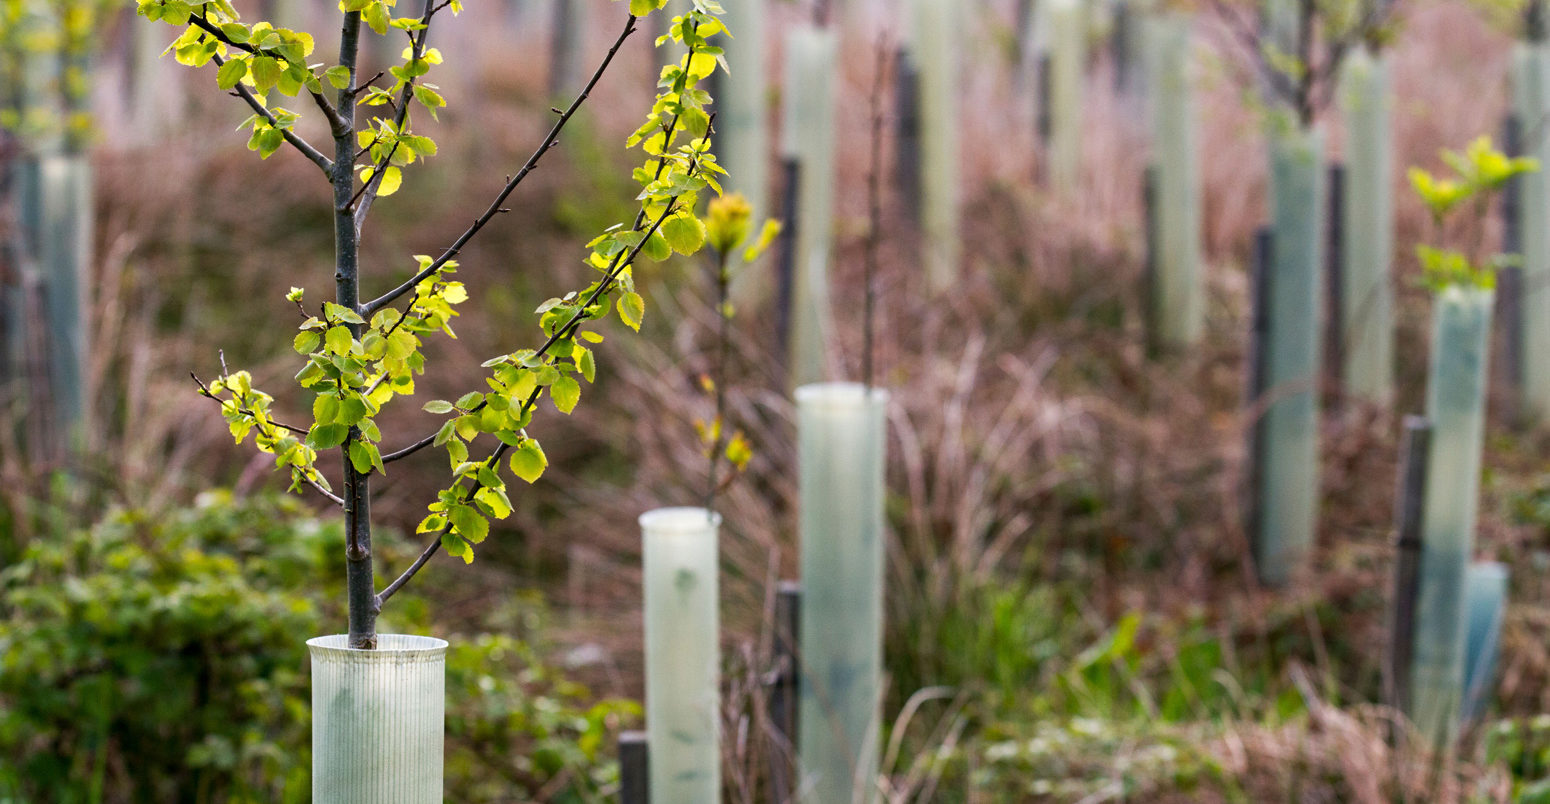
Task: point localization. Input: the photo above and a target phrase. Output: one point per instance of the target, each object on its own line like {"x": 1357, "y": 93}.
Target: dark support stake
{"x": 1334, "y": 271}
{"x": 634, "y": 770}
{"x": 1023, "y": 42}
{"x": 786, "y": 268}
{"x": 1257, "y": 369}
{"x": 784, "y": 689}
{"x": 1408, "y": 512}
{"x": 1509, "y": 280}
{"x": 907, "y": 109}
{"x": 1119, "y": 44}
{"x": 1149, "y": 291}
{"x": 1043, "y": 125}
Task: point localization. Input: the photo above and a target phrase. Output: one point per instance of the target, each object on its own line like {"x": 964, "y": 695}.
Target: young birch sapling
{"x": 358, "y": 355}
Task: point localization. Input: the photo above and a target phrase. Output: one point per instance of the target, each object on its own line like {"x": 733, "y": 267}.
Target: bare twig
{"x": 500, "y": 199}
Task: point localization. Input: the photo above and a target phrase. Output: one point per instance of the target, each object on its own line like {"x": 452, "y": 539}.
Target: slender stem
{"x": 718, "y": 425}
{"x": 368, "y": 193}
{"x": 495, "y": 207}
{"x": 290, "y": 136}
{"x": 357, "y": 496}
{"x": 875, "y": 213}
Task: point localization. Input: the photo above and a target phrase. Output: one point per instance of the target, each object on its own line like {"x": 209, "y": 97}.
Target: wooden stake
{"x": 1408, "y": 511}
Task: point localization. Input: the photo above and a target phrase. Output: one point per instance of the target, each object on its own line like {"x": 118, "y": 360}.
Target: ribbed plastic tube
{"x": 937, "y": 45}
{"x": 1455, "y": 403}
{"x": 740, "y": 120}
{"x": 1288, "y": 494}
{"x": 64, "y": 259}
{"x": 742, "y": 144}
{"x": 1179, "y": 303}
{"x": 841, "y": 441}
{"x": 1486, "y": 601}
{"x": 1367, "y": 365}
{"x": 1068, "y": 68}
{"x": 377, "y": 720}
{"x": 807, "y": 134}
{"x": 683, "y": 653}
{"x": 1531, "y": 102}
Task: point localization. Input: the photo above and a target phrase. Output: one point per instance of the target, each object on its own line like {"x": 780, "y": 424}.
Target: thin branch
{"x": 204, "y": 391}
{"x": 335, "y": 123}
{"x": 434, "y": 546}
{"x": 368, "y": 194}
{"x": 500, "y": 199}
{"x": 290, "y": 136}
{"x": 614, "y": 270}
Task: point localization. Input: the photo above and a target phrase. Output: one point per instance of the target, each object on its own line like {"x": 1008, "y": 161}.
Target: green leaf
{"x": 364, "y": 456}
{"x": 494, "y": 501}
{"x": 266, "y": 72}
{"x": 351, "y": 410}
{"x": 685, "y": 233}
{"x": 325, "y": 409}
{"x": 528, "y": 461}
{"x": 327, "y": 436}
{"x": 566, "y": 393}
{"x": 438, "y": 406}
{"x": 338, "y": 76}
{"x": 339, "y": 340}
{"x": 656, "y": 248}
{"x": 231, "y": 73}
{"x": 632, "y": 308}
{"x": 457, "y": 547}
{"x": 307, "y": 342}
{"x": 469, "y": 523}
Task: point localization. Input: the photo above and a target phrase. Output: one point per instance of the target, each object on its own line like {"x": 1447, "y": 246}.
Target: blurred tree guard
{"x": 1367, "y": 320}
{"x": 807, "y": 136}
{"x": 155, "y": 96}
{"x": 936, "y": 51}
{"x": 1068, "y": 69}
{"x": 841, "y": 455}
{"x": 65, "y": 255}
{"x": 1531, "y": 106}
{"x": 1296, "y": 48}
{"x": 1455, "y": 403}
{"x": 683, "y": 655}
{"x": 1178, "y": 299}
{"x": 1486, "y": 596}
{"x": 742, "y": 115}
{"x": 1288, "y": 483}
{"x": 49, "y": 49}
